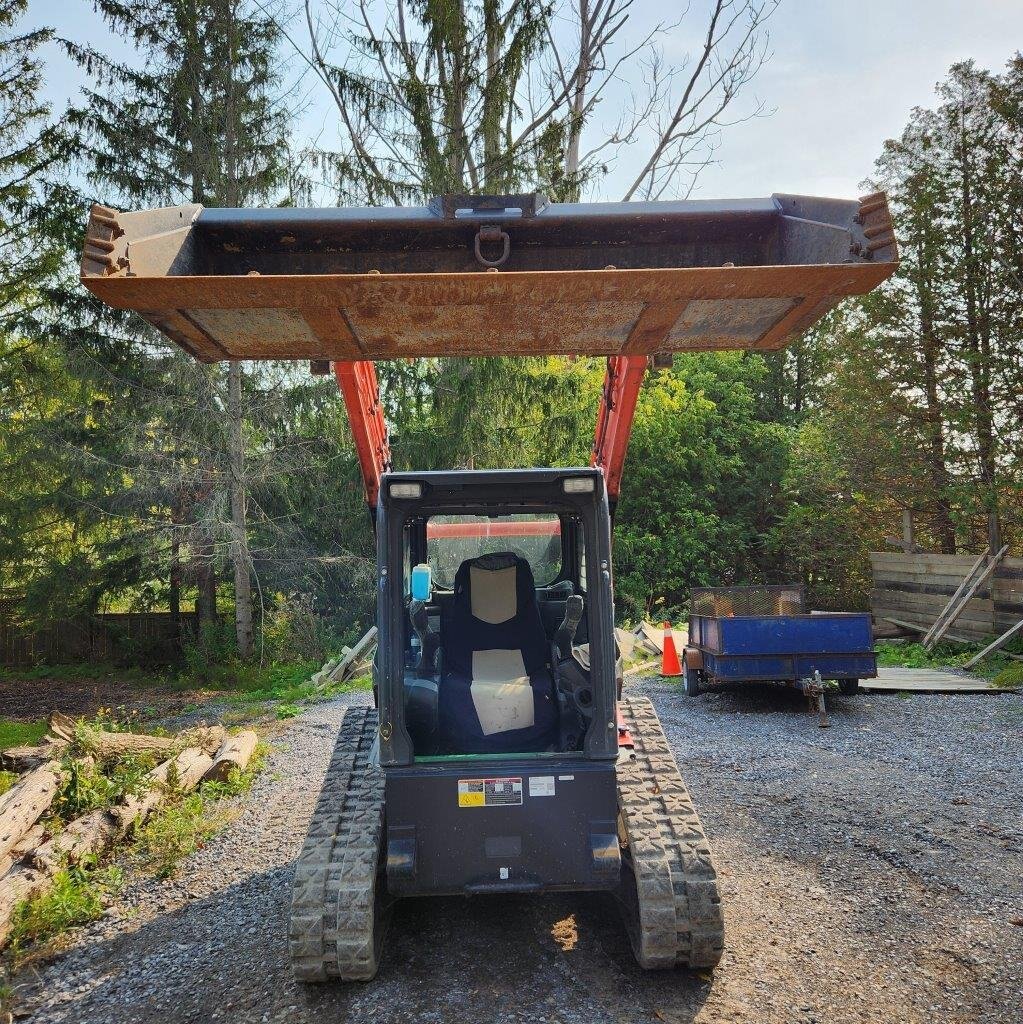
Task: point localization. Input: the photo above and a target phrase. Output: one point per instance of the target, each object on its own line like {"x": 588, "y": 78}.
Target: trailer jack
{"x": 813, "y": 687}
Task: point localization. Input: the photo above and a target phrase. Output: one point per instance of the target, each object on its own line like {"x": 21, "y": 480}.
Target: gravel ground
{"x": 870, "y": 873}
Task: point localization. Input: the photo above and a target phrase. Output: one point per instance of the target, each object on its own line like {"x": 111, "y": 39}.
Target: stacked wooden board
{"x": 915, "y": 588}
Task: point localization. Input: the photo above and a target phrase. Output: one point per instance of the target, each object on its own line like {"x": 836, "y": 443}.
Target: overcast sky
{"x": 843, "y": 77}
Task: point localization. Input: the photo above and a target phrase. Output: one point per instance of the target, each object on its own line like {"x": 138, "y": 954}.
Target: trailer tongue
{"x": 499, "y": 758}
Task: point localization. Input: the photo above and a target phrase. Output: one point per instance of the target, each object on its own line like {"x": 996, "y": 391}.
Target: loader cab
{"x": 496, "y": 616}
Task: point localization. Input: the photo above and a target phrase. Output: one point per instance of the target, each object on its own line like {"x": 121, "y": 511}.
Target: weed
{"x": 1010, "y": 677}
{"x": 288, "y": 711}
{"x": 177, "y": 831}
{"x": 945, "y": 655}
{"x": 19, "y": 734}
{"x": 78, "y": 895}
{"x": 85, "y": 787}
{"x": 7, "y": 781}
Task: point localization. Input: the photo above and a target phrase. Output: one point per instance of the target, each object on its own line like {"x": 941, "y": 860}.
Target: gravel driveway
{"x": 870, "y": 872}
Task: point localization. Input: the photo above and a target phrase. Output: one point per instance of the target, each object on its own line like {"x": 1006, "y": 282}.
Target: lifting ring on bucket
{"x": 492, "y": 233}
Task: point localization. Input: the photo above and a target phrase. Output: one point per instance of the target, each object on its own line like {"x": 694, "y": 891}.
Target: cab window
{"x": 450, "y": 540}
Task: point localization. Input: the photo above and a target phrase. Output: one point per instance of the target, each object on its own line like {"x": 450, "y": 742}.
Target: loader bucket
{"x": 478, "y": 276}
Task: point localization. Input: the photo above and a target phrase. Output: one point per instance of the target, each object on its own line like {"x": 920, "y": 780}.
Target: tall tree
{"x": 503, "y": 95}
{"x": 199, "y": 121}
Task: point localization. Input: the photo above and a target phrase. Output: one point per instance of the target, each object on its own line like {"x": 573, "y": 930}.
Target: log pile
{"x": 31, "y": 854}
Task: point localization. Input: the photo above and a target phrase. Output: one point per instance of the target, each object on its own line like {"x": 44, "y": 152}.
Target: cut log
{"x": 26, "y": 803}
{"x": 25, "y": 845}
{"x": 94, "y": 833}
{"x": 19, "y": 884}
{"x": 23, "y": 759}
{"x": 182, "y": 774}
{"x": 111, "y": 745}
{"x": 235, "y": 753}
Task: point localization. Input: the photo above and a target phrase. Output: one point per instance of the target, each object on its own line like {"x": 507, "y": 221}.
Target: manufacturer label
{"x": 489, "y": 792}
{"x": 541, "y": 785}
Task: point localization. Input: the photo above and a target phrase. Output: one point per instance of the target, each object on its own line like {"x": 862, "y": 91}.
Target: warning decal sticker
{"x": 489, "y": 792}
{"x": 541, "y": 785}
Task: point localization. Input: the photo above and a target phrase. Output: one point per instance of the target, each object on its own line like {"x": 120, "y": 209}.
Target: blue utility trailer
{"x": 763, "y": 634}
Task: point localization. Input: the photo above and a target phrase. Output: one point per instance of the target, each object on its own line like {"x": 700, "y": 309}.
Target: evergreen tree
{"x": 198, "y": 121}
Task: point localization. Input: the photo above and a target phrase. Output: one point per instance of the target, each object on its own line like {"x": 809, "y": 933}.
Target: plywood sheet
{"x": 925, "y": 680}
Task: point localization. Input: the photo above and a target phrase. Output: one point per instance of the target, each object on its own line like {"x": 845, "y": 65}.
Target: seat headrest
{"x": 496, "y": 585}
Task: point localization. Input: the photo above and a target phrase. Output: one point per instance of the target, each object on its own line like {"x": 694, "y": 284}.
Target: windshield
{"x": 450, "y": 540}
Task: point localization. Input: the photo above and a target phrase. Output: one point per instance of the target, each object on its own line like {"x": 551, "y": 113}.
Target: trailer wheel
{"x": 848, "y": 686}
{"x": 690, "y": 681}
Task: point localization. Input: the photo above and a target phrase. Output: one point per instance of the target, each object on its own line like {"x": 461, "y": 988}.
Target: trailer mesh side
{"x": 726, "y": 602}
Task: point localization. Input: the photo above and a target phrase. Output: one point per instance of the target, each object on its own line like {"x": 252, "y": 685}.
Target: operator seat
{"x": 496, "y": 692}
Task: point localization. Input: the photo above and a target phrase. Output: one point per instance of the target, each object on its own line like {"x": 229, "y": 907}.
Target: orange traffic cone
{"x": 669, "y": 657}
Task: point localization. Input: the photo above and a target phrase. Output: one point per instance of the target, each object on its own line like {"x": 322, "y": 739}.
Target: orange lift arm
{"x": 358, "y": 382}
{"x": 622, "y": 381}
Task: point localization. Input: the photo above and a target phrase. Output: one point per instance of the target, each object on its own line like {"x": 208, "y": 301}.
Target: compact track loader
{"x": 501, "y": 755}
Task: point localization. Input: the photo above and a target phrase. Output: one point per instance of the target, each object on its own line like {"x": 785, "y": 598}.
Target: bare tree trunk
{"x": 174, "y": 592}
{"x": 239, "y": 534}
{"x": 205, "y": 579}
{"x": 575, "y": 124}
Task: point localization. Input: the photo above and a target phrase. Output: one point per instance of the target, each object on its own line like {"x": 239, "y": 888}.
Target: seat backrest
{"x": 494, "y": 609}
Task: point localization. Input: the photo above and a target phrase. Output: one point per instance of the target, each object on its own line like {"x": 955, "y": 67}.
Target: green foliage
{"x": 176, "y": 831}
{"x": 700, "y": 493}
{"x": 20, "y": 734}
{"x": 1010, "y": 677}
{"x": 286, "y": 710}
{"x": 294, "y": 631}
{"x": 85, "y": 786}
{"x": 998, "y": 667}
{"x": 945, "y": 655}
{"x": 78, "y": 895}
{"x": 7, "y": 781}
{"x": 209, "y": 659}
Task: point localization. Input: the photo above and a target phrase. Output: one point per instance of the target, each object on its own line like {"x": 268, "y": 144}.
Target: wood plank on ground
{"x": 927, "y": 680}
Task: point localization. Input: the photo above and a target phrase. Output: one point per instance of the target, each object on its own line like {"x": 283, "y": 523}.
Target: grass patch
{"x": 21, "y": 734}
{"x": 285, "y": 711}
{"x": 950, "y": 655}
{"x": 85, "y": 672}
{"x": 1010, "y": 677}
{"x": 78, "y": 895}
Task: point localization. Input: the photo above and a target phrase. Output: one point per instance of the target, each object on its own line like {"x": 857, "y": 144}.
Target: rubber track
{"x": 674, "y": 913}
{"x": 335, "y": 929}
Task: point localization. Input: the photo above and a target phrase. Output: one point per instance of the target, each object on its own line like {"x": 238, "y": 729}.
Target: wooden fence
{"x": 915, "y": 588}
{"x": 145, "y": 638}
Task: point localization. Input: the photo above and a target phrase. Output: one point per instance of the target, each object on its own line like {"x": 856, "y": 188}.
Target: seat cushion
{"x": 496, "y": 716}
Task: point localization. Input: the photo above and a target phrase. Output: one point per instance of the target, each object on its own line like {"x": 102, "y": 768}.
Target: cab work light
{"x": 579, "y": 485}
{"x": 405, "y": 490}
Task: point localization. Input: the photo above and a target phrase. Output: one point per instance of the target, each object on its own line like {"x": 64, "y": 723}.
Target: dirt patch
{"x": 34, "y": 698}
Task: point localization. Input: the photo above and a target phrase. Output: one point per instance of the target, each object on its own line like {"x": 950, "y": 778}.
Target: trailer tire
{"x": 691, "y": 682}
{"x": 848, "y": 686}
